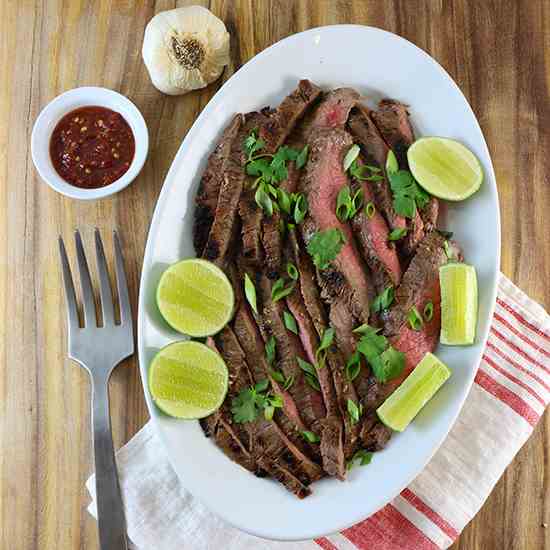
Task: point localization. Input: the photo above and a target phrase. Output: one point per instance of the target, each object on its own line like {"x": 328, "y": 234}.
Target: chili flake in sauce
{"x": 92, "y": 147}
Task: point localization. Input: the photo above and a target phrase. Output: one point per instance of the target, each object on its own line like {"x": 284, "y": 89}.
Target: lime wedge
{"x": 418, "y": 388}
{"x": 195, "y": 297}
{"x": 458, "y": 304}
{"x": 445, "y": 168}
{"x": 188, "y": 380}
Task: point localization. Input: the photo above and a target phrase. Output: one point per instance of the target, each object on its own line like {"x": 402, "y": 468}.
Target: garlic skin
{"x": 185, "y": 49}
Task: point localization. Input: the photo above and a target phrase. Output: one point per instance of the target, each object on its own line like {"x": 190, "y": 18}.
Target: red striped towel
{"x": 510, "y": 393}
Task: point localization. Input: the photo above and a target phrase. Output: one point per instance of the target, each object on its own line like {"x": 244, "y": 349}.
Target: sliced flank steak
{"x": 321, "y": 183}
{"x": 225, "y": 220}
{"x": 206, "y": 199}
{"x": 335, "y": 362}
{"x": 264, "y": 440}
{"x": 372, "y": 236}
{"x": 249, "y": 337}
{"x": 272, "y": 236}
{"x": 376, "y": 151}
{"x": 273, "y": 127}
{"x": 392, "y": 119}
{"x": 419, "y": 287}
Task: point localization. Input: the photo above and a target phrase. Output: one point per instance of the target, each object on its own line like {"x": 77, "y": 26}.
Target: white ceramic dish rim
{"x": 69, "y": 101}
{"x": 481, "y": 337}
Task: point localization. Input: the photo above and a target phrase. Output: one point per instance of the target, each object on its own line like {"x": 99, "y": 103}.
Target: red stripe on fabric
{"x": 431, "y": 514}
{"x": 514, "y": 379}
{"x": 522, "y": 319}
{"x": 506, "y": 396}
{"x": 388, "y": 529}
{"x": 325, "y": 544}
{"x": 519, "y": 367}
{"x": 519, "y": 350}
{"x": 520, "y": 335}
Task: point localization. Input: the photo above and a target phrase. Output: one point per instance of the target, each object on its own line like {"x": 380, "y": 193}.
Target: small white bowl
{"x": 69, "y": 101}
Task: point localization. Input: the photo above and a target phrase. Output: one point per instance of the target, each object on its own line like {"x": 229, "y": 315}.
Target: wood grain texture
{"x": 499, "y": 54}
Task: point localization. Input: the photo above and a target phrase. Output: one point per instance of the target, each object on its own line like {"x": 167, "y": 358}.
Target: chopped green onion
{"x": 397, "y": 234}
{"x": 300, "y": 208}
{"x": 343, "y": 204}
{"x": 370, "y": 210}
{"x": 354, "y": 411}
{"x": 290, "y": 322}
{"x": 278, "y": 376}
{"x": 306, "y": 366}
{"x": 270, "y": 350}
{"x": 263, "y": 200}
{"x": 268, "y": 412}
{"x": 326, "y": 342}
{"x": 428, "y": 311}
{"x": 250, "y": 292}
{"x": 279, "y": 290}
{"x": 391, "y": 162}
{"x": 283, "y": 199}
{"x": 414, "y": 319}
{"x": 292, "y": 271}
{"x": 351, "y": 155}
{"x": 310, "y": 437}
{"x": 288, "y": 382}
{"x": 383, "y": 300}
{"x": 356, "y": 203}
{"x": 353, "y": 366}
{"x": 361, "y": 457}
{"x": 301, "y": 159}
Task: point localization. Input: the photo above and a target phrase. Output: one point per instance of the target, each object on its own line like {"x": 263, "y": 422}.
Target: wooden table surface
{"x": 498, "y": 53}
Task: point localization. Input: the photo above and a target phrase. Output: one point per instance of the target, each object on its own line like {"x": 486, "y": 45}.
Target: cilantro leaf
{"x": 244, "y": 406}
{"x": 252, "y": 144}
{"x": 407, "y": 194}
{"x": 270, "y": 350}
{"x": 397, "y": 234}
{"x": 324, "y": 246}
{"x": 386, "y": 362}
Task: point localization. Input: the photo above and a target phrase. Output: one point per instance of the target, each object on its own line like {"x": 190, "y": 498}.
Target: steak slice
{"x": 225, "y": 220}
{"x": 206, "y": 199}
{"x": 372, "y": 236}
{"x": 289, "y": 347}
{"x": 282, "y": 120}
{"x": 265, "y": 443}
{"x": 272, "y": 237}
{"x": 323, "y": 180}
{"x": 332, "y": 451}
{"x": 420, "y": 285}
{"x": 335, "y": 362}
{"x": 376, "y": 151}
{"x": 392, "y": 119}
{"x": 250, "y": 340}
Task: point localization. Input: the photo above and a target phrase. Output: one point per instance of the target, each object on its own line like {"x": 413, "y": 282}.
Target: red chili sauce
{"x": 92, "y": 147}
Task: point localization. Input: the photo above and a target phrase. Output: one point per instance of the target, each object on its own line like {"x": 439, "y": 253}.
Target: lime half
{"x": 195, "y": 297}
{"x": 445, "y": 168}
{"x": 188, "y": 380}
{"x": 418, "y": 388}
{"x": 458, "y": 304}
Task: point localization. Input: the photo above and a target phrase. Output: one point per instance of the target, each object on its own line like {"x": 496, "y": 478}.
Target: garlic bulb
{"x": 185, "y": 49}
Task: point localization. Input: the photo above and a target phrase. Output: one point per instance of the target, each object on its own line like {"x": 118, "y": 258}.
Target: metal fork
{"x": 99, "y": 350}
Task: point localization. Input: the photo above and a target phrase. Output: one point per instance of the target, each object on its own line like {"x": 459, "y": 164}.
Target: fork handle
{"x": 110, "y": 512}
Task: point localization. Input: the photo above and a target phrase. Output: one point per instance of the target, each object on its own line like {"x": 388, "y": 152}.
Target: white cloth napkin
{"x": 510, "y": 393}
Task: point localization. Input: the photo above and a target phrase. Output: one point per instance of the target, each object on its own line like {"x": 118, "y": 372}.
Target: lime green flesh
{"x": 188, "y": 380}
{"x": 195, "y": 297}
{"x": 445, "y": 168}
{"x": 418, "y": 388}
{"x": 458, "y": 304}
